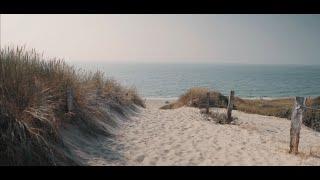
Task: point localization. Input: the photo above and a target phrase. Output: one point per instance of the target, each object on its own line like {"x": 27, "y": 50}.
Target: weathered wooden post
{"x": 69, "y": 99}
{"x": 230, "y": 106}
{"x": 208, "y": 102}
{"x": 98, "y": 92}
{"x": 296, "y": 121}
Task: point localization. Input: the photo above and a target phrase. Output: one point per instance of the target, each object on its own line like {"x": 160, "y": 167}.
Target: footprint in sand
{"x": 140, "y": 158}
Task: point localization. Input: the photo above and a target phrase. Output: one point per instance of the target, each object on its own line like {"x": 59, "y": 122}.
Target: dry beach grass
{"x": 33, "y": 107}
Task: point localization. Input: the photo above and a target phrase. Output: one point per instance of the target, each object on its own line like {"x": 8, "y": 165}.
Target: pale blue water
{"x": 171, "y": 80}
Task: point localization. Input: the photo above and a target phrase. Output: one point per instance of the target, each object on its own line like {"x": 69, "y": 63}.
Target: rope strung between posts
{"x": 311, "y": 108}
{"x": 306, "y": 107}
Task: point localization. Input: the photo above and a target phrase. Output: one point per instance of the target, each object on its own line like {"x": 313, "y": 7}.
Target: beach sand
{"x": 184, "y": 136}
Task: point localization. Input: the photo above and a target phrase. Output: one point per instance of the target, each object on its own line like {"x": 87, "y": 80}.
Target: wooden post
{"x": 296, "y": 121}
{"x": 230, "y": 106}
{"x": 69, "y": 99}
{"x": 208, "y": 102}
{"x": 98, "y": 92}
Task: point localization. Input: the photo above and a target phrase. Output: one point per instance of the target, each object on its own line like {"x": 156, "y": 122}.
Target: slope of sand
{"x": 185, "y": 137}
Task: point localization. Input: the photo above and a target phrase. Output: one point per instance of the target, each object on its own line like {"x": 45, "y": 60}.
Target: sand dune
{"x": 185, "y": 137}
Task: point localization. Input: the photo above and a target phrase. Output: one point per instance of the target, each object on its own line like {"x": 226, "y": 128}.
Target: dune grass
{"x": 196, "y": 97}
{"x": 277, "y": 107}
{"x": 33, "y": 106}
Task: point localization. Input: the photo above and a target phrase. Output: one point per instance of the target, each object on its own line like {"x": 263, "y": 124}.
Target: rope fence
{"x": 296, "y": 122}
{"x": 306, "y": 107}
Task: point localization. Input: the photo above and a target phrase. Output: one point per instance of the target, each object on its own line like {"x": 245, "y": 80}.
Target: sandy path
{"x": 184, "y": 137}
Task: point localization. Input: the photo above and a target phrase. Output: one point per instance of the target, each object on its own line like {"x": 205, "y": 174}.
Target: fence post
{"x": 69, "y": 99}
{"x": 208, "y": 102}
{"x": 230, "y": 106}
{"x": 98, "y": 92}
{"x": 296, "y": 121}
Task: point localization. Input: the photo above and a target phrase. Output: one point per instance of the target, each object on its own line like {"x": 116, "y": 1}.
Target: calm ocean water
{"x": 248, "y": 81}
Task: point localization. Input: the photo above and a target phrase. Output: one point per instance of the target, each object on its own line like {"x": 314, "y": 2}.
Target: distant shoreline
{"x": 161, "y": 98}
{"x": 247, "y": 98}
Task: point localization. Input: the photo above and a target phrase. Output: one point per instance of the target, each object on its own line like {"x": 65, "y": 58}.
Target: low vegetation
{"x": 197, "y": 97}
{"x": 218, "y": 117}
{"x": 277, "y": 107}
{"x": 312, "y": 117}
{"x": 33, "y": 107}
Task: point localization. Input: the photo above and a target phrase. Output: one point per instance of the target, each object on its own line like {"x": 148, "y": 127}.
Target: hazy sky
{"x": 271, "y": 39}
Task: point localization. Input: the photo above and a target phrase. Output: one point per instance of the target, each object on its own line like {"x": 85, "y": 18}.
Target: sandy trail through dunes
{"x": 184, "y": 137}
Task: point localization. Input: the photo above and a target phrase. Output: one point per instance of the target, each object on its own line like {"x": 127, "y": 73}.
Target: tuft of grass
{"x": 197, "y": 97}
{"x": 33, "y": 106}
{"x": 219, "y": 117}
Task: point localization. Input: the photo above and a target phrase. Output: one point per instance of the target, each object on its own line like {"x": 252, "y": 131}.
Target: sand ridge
{"x": 183, "y": 136}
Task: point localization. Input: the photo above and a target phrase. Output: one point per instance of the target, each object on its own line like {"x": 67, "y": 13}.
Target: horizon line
{"x": 213, "y": 63}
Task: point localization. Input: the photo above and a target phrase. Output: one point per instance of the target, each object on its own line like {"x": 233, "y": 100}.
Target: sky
{"x": 169, "y": 38}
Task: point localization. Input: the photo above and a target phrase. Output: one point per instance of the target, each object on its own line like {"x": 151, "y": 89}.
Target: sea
{"x": 248, "y": 81}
